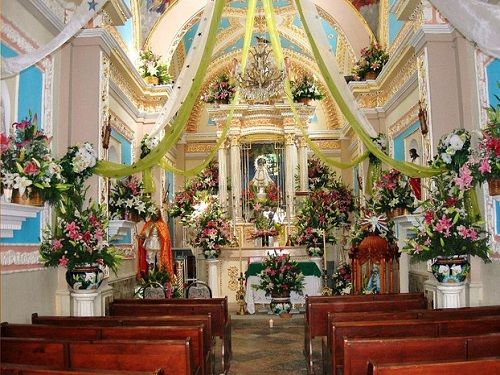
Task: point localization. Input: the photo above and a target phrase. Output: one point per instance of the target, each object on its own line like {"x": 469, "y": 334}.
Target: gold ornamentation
{"x": 199, "y": 147}
{"x": 407, "y": 119}
{"x": 120, "y": 126}
{"x": 383, "y": 23}
{"x": 328, "y": 144}
{"x": 233, "y": 274}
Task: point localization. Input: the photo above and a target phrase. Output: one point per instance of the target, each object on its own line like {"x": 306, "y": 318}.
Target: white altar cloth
{"x": 312, "y": 287}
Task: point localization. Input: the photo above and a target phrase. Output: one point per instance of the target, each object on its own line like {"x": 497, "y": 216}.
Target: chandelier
{"x": 262, "y": 81}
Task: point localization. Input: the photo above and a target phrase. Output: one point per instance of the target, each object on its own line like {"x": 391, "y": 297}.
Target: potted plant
{"x": 220, "y": 91}
{"x": 280, "y": 276}
{"x": 212, "y": 230}
{"x": 128, "y": 201}
{"x": 152, "y": 69}
{"x": 392, "y": 194}
{"x": 371, "y": 62}
{"x": 305, "y": 90}
{"x": 28, "y": 166}
{"x": 342, "y": 280}
{"x": 447, "y": 234}
{"x": 78, "y": 242}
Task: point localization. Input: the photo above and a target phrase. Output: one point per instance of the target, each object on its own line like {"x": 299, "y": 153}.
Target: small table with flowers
{"x": 312, "y": 285}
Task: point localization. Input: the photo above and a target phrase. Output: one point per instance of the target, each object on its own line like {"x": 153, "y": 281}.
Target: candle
{"x": 271, "y": 323}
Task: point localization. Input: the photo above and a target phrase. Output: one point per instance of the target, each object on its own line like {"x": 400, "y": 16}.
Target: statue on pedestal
{"x": 261, "y": 178}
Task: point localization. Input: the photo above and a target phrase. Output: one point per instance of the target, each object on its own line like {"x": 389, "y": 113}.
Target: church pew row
{"x": 359, "y": 352}
{"x": 131, "y": 321}
{"x": 316, "y": 317}
{"x": 333, "y": 353}
{"x": 201, "y": 353}
{"x": 10, "y": 369}
{"x": 221, "y": 321}
{"x": 173, "y": 356}
{"x": 487, "y": 366}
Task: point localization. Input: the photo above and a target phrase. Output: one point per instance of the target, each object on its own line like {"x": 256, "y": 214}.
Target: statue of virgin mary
{"x": 261, "y": 179}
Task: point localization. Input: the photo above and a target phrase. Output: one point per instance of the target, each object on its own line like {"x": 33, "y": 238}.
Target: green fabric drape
{"x": 109, "y": 169}
{"x": 410, "y": 169}
{"x": 471, "y": 204}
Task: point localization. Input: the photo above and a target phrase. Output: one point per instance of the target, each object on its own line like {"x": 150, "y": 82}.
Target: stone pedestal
{"x": 84, "y": 304}
{"x": 213, "y": 276}
{"x": 450, "y": 295}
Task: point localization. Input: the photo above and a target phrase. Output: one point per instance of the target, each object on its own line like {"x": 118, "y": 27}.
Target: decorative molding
{"x": 330, "y": 144}
{"x": 232, "y": 273}
{"x": 119, "y": 125}
{"x": 19, "y": 258}
{"x": 403, "y": 122}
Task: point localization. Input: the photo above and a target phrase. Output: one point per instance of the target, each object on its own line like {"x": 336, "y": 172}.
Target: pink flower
{"x": 464, "y": 181}
{"x": 56, "y": 245}
{"x": 31, "y": 168}
{"x": 485, "y": 166}
{"x": 463, "y": 231}
{"x": 444, "y": 225}
{"x": 4, "y": 142}
{"x": 429, "y": 215}
{"x": 63, "y": 261}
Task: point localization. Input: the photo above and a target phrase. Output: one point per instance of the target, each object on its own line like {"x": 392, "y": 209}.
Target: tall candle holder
{"x": 326, "y": 291}
{"x": 240, "y": 295}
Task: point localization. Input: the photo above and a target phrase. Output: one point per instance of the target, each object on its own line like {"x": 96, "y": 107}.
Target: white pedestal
{"x": 84, "y": 304}
{"x": 213, "y": 276}
{"x": 450, "y": 295}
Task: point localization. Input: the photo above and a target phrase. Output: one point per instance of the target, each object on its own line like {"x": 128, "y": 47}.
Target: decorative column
{"x": 222, "y": 158}
{"x": 303, "y": 177}
{"x": 291, "y": 168}
{"x": 84, "y": 304}
{"x": 236, "y": 176}
{"x": 450, "y": 295}
{"x": 213, "y": 277}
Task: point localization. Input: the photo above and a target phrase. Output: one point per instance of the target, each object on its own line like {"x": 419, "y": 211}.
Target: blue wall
{"x": 126, "y": 147}
{"x": 493, "y": 74}
{"x": 399, "y": 141}
{"x": 29, "y": 98}
{"x": 395, "y": 25}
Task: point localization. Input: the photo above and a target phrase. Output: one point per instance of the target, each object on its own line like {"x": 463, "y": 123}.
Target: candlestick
{"x": 241, "y": 267}
{"x": 324, "y": 249}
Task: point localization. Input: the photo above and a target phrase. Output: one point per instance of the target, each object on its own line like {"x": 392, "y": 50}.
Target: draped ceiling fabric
{"x": 83, "y": 14}
{"x": 476, "y": 20}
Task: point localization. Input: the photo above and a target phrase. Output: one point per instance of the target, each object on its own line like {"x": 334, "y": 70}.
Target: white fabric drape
{"x": 313, "y": 20}
{"x": 477, "y": 21}
{"x": 83, "y": 14}
{"x": 188, "y": 71}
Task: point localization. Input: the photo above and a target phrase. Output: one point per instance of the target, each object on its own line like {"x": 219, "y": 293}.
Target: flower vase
{"x": 451, "y": 270}
{"x": 395, "y": 212}
{"x": 494, "y": 186}
{"x": 151, "y": 80}
{"x": 131, "y": 216}
{"x": 281, "y": 305}
{"x": 370, "y": 76}
{"x": 32, "y": 199}
{"x": 304, "y": 101}
{"x": 85, "y": 278}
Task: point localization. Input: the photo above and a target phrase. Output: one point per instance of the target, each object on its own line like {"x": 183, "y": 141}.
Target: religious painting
{"x": 369, "y": 9}
{"x": 150, "y": 11}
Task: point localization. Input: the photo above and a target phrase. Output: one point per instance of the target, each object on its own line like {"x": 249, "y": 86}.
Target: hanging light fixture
{"x": 152, "y": 244}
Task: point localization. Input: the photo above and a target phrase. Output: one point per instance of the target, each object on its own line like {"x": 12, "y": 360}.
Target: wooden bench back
{"x": 358, "y": 352}
{"x": 488, "y": 366}
{"x": 217, "y": 312}
{"x": 11, "y": 369}
{"x": 318, "y": 312}
{"x": 174, "y": 356}
{"x": 201, "y": 352}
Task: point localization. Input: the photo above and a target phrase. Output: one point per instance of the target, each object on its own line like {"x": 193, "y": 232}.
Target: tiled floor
{"x": 258, "y": 349}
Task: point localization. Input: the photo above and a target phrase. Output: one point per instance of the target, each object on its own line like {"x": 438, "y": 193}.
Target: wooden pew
{"x": 201, "y": 353}
{"x": 112, "y": 321}
{"x": 487, "y": 366}
{"x": 174, "y": 356}
{"x": 316, "y": 318}
{"x": 333, "y": 357}
{"x": 221, "y": 321}
{"x": 358, "y": 352}
{"x": 10, "y": 369}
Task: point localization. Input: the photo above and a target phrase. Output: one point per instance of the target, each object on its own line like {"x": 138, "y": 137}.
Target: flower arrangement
{"x": 79, "y": 237}
{"x": 446, "y": 229}
{"x": 342, "y": 280}
{"x": 27, "y": 164}
{"x": 486, "y": 165}
{"x": 127, "y": 198}
{"x": 148, "y": 143}
{"x": 205, "y": 183}
{"x": 254, "y": 202}
{"x": 327, "y": 207}
{"x": 453, "y": 150}
{"x": 318, "y": 174}
{"x": 313, "y": 239}
{"x": 372, "y": 60}
{"x": 213, "y": 231}
{"x": 78, "y": 165}
{"x": 159, "y": 277}
{"x": 280, "y": 276}
{"x": 306, "y": 88}
{"x": 150, "y": 66}
{"x": 393, "y": 190}
{"x": 222, "y": 90}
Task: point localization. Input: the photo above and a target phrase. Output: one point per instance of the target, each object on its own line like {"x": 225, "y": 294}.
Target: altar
{"x": 312, "y": 285}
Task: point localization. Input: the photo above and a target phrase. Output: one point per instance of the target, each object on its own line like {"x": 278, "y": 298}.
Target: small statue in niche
{"x": 261, "y": 178}
{"x": 373, "y": 285}
{"x": 415, "y": 181}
